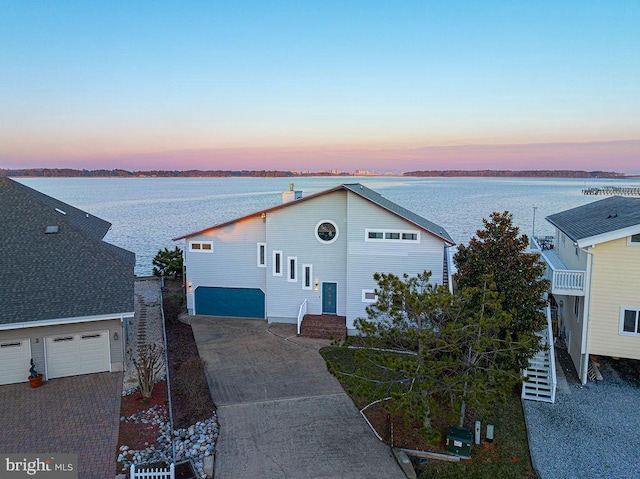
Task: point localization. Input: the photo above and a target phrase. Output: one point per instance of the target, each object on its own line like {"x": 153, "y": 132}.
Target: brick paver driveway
{"x": 77, "y": 415}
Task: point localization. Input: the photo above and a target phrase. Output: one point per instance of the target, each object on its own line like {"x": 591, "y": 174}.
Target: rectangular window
{"x": 634, "y": 240}
{"x": 576, "y": 306}
{"x": 369, "y": 296}
{"x": 577, "y": 252}
{"x": 262, "y": 255}
{"x": 292, "y": 276}
{"x": 307, "y": 273}
{"x": 630, "y": 321}
{"x": 201, "y": 246}
{"x": 392, "y": 235}
{"x": 277, "y": 263}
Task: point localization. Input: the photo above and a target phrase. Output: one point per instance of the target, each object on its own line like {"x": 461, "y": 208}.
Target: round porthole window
{"x": 327, "y": 231}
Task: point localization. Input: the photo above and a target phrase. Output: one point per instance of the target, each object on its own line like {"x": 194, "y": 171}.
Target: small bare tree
{"x": 148, "y": 362}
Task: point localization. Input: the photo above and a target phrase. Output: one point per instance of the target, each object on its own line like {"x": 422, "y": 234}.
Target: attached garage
{"x": 234, "y": 302}
{"x": 73, "y": 354}
{"x": 15, "y": 358}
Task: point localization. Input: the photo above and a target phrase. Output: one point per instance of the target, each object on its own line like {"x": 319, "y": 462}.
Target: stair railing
{"x": 301, "y": 314}
{"x": 552, "y": 355}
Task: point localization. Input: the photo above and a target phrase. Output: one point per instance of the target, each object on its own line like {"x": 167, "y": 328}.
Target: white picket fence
{"x": 154, "y": 473}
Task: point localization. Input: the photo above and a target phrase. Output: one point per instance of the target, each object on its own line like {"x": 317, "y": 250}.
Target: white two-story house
{"x": 314, "y": 254}
{"x": 594, "y": 267}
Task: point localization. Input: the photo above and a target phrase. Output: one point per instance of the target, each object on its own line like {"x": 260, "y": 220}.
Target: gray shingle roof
{"x": 71, "y": 273}
{"x": 362, "y": 191}
{"x": 408, "y": 215}
{"x": 598, "y": 218}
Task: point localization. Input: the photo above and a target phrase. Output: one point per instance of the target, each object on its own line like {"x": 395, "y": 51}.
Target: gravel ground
{"x": 591, "y": 431}
{"x": 146, "y": 327}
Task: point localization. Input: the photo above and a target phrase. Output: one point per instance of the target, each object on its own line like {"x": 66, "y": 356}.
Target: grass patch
{"x": 511, "y": 449}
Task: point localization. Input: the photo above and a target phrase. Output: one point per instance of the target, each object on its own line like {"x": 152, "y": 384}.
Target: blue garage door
{"x": 236, "y": 302}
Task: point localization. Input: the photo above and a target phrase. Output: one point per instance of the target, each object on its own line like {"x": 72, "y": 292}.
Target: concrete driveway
{"x": 75, "y": 415}
{"x": 282, "y": 415}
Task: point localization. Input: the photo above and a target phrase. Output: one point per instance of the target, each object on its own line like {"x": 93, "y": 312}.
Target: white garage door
{"x": 73, "y": 354}
{"x": 15, "y": 359}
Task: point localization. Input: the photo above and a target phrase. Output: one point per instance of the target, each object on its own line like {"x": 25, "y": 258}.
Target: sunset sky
{"x": 384, "y": 85}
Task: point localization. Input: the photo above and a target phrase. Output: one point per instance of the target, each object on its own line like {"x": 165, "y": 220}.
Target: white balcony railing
{"x": 567, "y": 281}
{"x": 564, "y": 281}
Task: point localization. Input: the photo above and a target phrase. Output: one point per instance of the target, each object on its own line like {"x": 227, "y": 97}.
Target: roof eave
{"x": 610, "y": 236}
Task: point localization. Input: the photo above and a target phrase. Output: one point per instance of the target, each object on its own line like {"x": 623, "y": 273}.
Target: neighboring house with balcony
{"x": 310, "y": 258}
{"x": 65, "y": 294}
{"x": 593, "y": 263}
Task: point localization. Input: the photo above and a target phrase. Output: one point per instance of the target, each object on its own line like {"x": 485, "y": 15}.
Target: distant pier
{"x": 613, "y": 190}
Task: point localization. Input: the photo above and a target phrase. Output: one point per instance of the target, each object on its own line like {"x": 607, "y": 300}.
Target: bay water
{"x": 146, "y": 213}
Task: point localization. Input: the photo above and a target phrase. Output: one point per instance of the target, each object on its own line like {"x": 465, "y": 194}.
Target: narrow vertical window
{"x": 307, "y": 273}
{"x": 277, "y": 263}
{"x": 262, "y": 258}
{"x": 292, "y": 275}
{"x": 576, "y": 306}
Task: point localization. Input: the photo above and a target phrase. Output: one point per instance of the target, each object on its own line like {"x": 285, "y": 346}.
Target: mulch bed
{"x": 140, "y": 435}
{"x": 394, "y": 431}
{"x": 190, "y": 395}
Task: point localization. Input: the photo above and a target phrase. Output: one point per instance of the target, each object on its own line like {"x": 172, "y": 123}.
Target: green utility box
{"x": 459, "y": 441}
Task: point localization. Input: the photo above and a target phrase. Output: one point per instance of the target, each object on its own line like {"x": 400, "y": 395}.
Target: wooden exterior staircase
{"x": 325, "y": 326}
{"x": 540, "y": 377}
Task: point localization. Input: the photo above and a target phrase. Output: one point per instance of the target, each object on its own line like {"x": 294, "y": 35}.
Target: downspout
{"x": 586, "y": 314}
{"x": 125, "y": 339}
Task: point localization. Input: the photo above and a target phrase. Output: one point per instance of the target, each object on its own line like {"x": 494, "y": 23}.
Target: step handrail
{"x": 552, "y": 355}
{"x": 301, "y": 314}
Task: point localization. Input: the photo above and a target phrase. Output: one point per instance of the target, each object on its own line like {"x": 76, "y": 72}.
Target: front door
{"x": 329, "y": 292}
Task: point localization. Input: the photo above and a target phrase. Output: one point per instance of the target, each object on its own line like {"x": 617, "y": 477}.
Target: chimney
{"x": 291, "y": 195}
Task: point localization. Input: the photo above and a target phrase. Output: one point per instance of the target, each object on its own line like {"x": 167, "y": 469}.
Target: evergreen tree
{"x": 434, "y": 353}
{"x": 499, "y": 253}
{"x": 168, "y": 263}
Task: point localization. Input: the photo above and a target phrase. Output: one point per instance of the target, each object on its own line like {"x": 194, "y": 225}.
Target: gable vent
{"x": 51, "y": 230}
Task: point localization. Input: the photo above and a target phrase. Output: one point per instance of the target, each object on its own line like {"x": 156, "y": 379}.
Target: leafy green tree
{"x": 433, "y": 353}
{"x": 499, "y": 253}
{"x": 168, "y": 263}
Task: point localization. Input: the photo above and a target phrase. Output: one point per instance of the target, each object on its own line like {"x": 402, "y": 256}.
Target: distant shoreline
{"x": 119, "y": 173}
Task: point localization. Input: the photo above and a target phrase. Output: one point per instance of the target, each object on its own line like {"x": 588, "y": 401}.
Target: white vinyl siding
{"x": 293, "y": 230}
{"x": 368, "y": 255}
{"x": 234, "y": 263}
